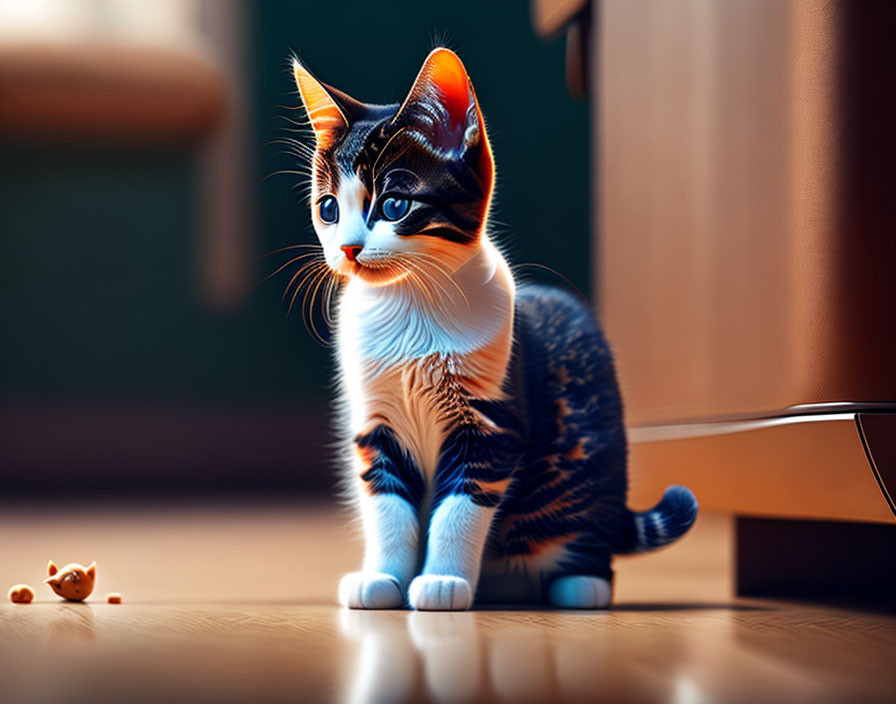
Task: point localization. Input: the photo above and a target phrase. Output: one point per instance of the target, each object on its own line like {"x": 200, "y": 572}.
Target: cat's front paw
{"x": 370, "y": 590}
{"x": 432, "y": 592}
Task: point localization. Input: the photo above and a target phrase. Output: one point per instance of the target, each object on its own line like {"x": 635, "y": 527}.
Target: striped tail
{"x": 663, "y": 524}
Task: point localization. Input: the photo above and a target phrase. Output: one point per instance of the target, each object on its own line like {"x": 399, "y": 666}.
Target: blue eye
{"x": 328, "y": 209}
{"x": 395, "y": 208}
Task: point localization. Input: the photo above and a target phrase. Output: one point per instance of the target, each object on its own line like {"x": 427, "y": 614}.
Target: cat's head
{"x": 399, "y": 190}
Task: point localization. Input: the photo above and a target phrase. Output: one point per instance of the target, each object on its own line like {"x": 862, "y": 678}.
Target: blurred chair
{"x": 124, "y": 181}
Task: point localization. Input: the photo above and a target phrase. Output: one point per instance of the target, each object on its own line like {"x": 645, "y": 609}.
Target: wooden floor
{"x": 235, "y": 603}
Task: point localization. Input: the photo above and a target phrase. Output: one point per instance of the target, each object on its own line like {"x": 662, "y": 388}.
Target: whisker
{"x": 295, "y": 294}
{"x": 310, "y": 304}
{"x": 395, "y": 158}
{"x": 333, "y": 285}
{"x": 283, "y": 266}
{"x": 425, "y": 282}
{"x": 302, "y": 245}
{"x": 307, "y": 270}
{"x": 279, "y": 173}
{"x": 383, "y": 151}
{"x": 427, "y": 279}
{"x": 556, "y": 273}
{"x": 437, "y": 265}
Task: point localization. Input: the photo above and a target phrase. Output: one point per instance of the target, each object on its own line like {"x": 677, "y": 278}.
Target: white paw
{"x": 430, "y": 592}
{"x": 369, "y": 590}
{"x": 580, "y": 592}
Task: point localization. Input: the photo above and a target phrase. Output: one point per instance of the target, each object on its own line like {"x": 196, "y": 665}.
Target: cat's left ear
{"x": 329, "y": 110}
{"x": 91, "y": 571}
{"x": 442, "y": 103}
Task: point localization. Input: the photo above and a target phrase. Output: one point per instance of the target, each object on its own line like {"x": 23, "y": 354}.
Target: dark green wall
{"x": 98, "y": 285}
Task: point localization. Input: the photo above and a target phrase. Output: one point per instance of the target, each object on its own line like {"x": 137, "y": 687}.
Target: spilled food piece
{"x": 21, "y": 594}
{"x": 73, "y": 582}
{"x": 113, "y": 598}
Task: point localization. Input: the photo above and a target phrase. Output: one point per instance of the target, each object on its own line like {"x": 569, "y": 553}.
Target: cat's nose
{"x": 352, "y": 251}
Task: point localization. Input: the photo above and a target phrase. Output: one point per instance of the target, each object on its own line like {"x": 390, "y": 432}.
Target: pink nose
{"x": 352, "y": 251}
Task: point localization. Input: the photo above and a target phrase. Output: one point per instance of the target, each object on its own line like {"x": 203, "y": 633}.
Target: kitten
{"x": 483, "y": 424}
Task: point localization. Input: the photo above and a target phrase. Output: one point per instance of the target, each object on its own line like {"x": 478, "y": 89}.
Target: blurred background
{"x": 142, "y": 190}
{"x": 716, "y": 175}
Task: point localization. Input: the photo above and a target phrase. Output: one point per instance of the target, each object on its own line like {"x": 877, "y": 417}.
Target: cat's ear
{"x": 328, "y": 110}
{"x": 443, "y": 104}
{"x": 91, "y": 570}
{"x": 52, "y": 568}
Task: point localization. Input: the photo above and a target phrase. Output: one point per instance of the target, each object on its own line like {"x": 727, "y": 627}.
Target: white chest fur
{"x": 396, "y": 345}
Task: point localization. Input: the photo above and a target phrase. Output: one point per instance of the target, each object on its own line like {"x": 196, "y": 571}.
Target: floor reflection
{"x": 385, "y": 669}
{"x": 72, "y": 625}
{"x": 454, "y": 658}
{"x": 678, "y": 656}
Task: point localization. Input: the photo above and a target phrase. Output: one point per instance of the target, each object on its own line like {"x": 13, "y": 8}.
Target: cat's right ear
{"x": 325, "y": 114}
{"x": 52, "y": 568}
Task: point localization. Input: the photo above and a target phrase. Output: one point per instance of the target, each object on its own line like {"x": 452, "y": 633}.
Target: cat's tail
{"x": 671, "y": 518}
